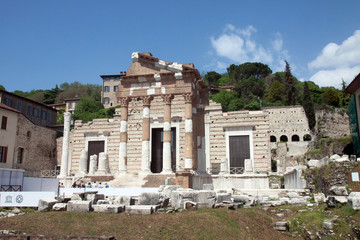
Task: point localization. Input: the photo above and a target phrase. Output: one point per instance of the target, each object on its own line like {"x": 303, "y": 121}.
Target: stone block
{"x": 139, "y": 209}
{"x": 208, "y": 186}
{"x": 46, "y": 204}
{"x": 180, "y": 196}
{"x": 79, "y": 206}
{"x": 166, "y": 190}
{"x": 327, "y": 225}
{"x": 354, "y": 200}
{"x": 60, "y": 207}
{"x": 319, "y": 197}
{"x": 94, "y": 197}
{"x": 281, "y": 226}
{"x": 244, "y": 199}
{"x": 105, "y": 202}
{"x": 292, "y": 195}
{"x": 339, "y": 190}
{"x": 151, "y": 198}
{"x": 77, "y": 196}
{"x": 109, "y": 208}
{"x": 205, "y": 199}
{"x": 124, "y": 200}
{"x": 221, "y": 197}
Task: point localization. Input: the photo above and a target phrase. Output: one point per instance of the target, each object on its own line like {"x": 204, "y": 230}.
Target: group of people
{"x": 90, "y": 185}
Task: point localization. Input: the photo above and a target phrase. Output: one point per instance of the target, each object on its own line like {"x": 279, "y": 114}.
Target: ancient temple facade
{"x": 167, "y": 127}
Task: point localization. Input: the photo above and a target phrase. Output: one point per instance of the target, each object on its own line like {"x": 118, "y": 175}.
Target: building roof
{"x": 27, "y": 99}
{"x": 8, "y": 108}
{"x": 354, "y": 85}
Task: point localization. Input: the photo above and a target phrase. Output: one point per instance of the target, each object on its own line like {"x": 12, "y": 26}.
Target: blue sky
{"x": 44, "y": 43}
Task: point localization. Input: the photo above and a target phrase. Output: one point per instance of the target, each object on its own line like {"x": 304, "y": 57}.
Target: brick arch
{"x": 272, "y": 138}
{"x": 295, "y": 138}
{"x": 283, "y": 138}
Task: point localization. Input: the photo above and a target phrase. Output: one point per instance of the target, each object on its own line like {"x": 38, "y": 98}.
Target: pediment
{"x": 145, "y": 63}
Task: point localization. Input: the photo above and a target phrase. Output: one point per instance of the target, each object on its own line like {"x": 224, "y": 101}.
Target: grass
{"x": 252, "y": 223}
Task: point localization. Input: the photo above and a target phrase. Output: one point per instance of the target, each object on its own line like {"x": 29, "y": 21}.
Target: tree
{"x": 2, "y": 87}
{"x": 225, "y": 98}
{"x": 309, "y": 107}
{"x": 290, "y": 89}
{"x": 211, "y": 78}
{"x": 51, "y": 95}
{"x": 344, "y": 97}
{"x": 331, "y": 97}
{"x": 276, "y": 91}
{"x": 88, "y": 105}
{"x": 248, "y": 69}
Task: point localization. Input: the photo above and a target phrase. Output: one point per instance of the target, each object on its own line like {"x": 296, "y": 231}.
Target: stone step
{"x": 156, "y": 180}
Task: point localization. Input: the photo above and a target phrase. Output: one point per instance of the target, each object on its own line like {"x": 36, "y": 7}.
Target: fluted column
{"x": 188, "y": 131}
{"x": 123, "y": 135}
{"x": 167, "y": 134}
{"x": 65, "y": 147}
{"x": 145, "y": 153}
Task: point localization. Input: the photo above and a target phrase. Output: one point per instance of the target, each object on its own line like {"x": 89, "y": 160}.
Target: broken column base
{"x": 184, "y": 179}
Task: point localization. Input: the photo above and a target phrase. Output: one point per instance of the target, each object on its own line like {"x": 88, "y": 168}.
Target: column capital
{"x": 124, "y": 101}
{"x": 147, "y": 100}
{"x": 188, "y": 97}
{"x": 167, "y": 98}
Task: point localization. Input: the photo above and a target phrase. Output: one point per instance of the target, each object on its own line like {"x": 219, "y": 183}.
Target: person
{"x": 106, "y": 185}
{"x": 89, "y": 185}
{"x": 99, "y": 185}
{"x": 61, "y": 185}
{"x": 74, "y": 185}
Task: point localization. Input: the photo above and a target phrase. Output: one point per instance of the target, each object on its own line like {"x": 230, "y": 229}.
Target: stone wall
{"x": 218, "y": 123}
{"x": 39, "y": 144}
{"x": 332, "y": 123}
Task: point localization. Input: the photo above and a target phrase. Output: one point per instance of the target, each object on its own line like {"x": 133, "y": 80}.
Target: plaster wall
{"x": 8, "y": 135}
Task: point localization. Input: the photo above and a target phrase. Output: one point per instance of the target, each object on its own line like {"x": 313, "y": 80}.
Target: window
{"x": 116, "y": 88}
{"x": 7, "y": 101}
{"x": 43, "y": 115}
{"x": 4, "y": 122}
{"x": 29, "y": 109}
{"x": 36, "y": 112}
{"x": 283, "y": 138}
{"x": 19, "y": 105}
{"x": 49, "y": 117}
{"x": 28, "y": 134}
{"x": 295, "y": 138}
{"x": 20, "y": 155}
{"x": 106, "y": 88}
{"x": 272, "y": 139}
{"x": 106, "y": 100}
{"x": 3, "y": 154}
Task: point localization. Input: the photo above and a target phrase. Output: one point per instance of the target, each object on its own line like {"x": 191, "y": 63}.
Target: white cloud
{"x": 337, "y": 62}
{"x": 325, "y": 78}
{"x": 239, "y": 46}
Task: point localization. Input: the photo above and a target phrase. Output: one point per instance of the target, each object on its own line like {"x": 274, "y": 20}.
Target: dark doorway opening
{"x": 94, "y": 147}
{"x": 239, "y": 151}
{"x": 157, "y": 150}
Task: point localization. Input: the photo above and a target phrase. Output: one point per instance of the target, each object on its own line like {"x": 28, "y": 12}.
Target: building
{"x": 109, "y": 88}
{"x": 25, "y": 145}
{"x": 167, "y": 128}
{"x": 354, "y": 111}
{"x": 38, "y": 113}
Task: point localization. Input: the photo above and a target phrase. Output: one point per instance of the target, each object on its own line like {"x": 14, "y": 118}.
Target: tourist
{"x": 74, "y": 185}
{"x": 61, "y": 185}
{"x": 106, "y": 185}
{"x": 99, "y": 185}
{"x": 89, "y": 185}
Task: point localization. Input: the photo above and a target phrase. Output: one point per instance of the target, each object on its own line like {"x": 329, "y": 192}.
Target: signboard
{"x": 355, "y": 176}
{"x": 23, "y": 199}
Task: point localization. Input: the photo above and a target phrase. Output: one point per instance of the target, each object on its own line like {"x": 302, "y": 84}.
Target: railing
{"x": 49, "y": 173}
{"x": 236, "y": 170}
{"x": 10, "y": 188}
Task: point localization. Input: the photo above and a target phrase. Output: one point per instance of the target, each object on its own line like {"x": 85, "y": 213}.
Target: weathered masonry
{"x": 166, "y": 127}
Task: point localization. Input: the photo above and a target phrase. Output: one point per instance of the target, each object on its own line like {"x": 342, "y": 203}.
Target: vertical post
{"x": 145, "y": 158}
{"x": 188, "y": 131}
{"x": 65, "y": 147}
{"x": 167, "y": 135}
{"x": 123, "y": 135}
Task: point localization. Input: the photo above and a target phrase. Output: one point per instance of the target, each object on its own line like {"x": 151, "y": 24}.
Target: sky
{"x": 44, "y": 43}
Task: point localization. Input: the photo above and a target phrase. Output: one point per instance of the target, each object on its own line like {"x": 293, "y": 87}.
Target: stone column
{"x": 145, "y": 154}
{"x": 123, "y": 135}
{"x": 188, "y": 131}
{"x": 93, "y": 164}
{"x": 65, "y": 147}
{"x": 103, "y": 167}
{"x": 82, "y": 163}
{"x": 167, "y": 135}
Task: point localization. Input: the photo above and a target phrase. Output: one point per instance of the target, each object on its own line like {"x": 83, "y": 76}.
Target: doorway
{"x": 157, "y": 150}
{"x": 239, "y": 151}
{"x": 94, "y": 147}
